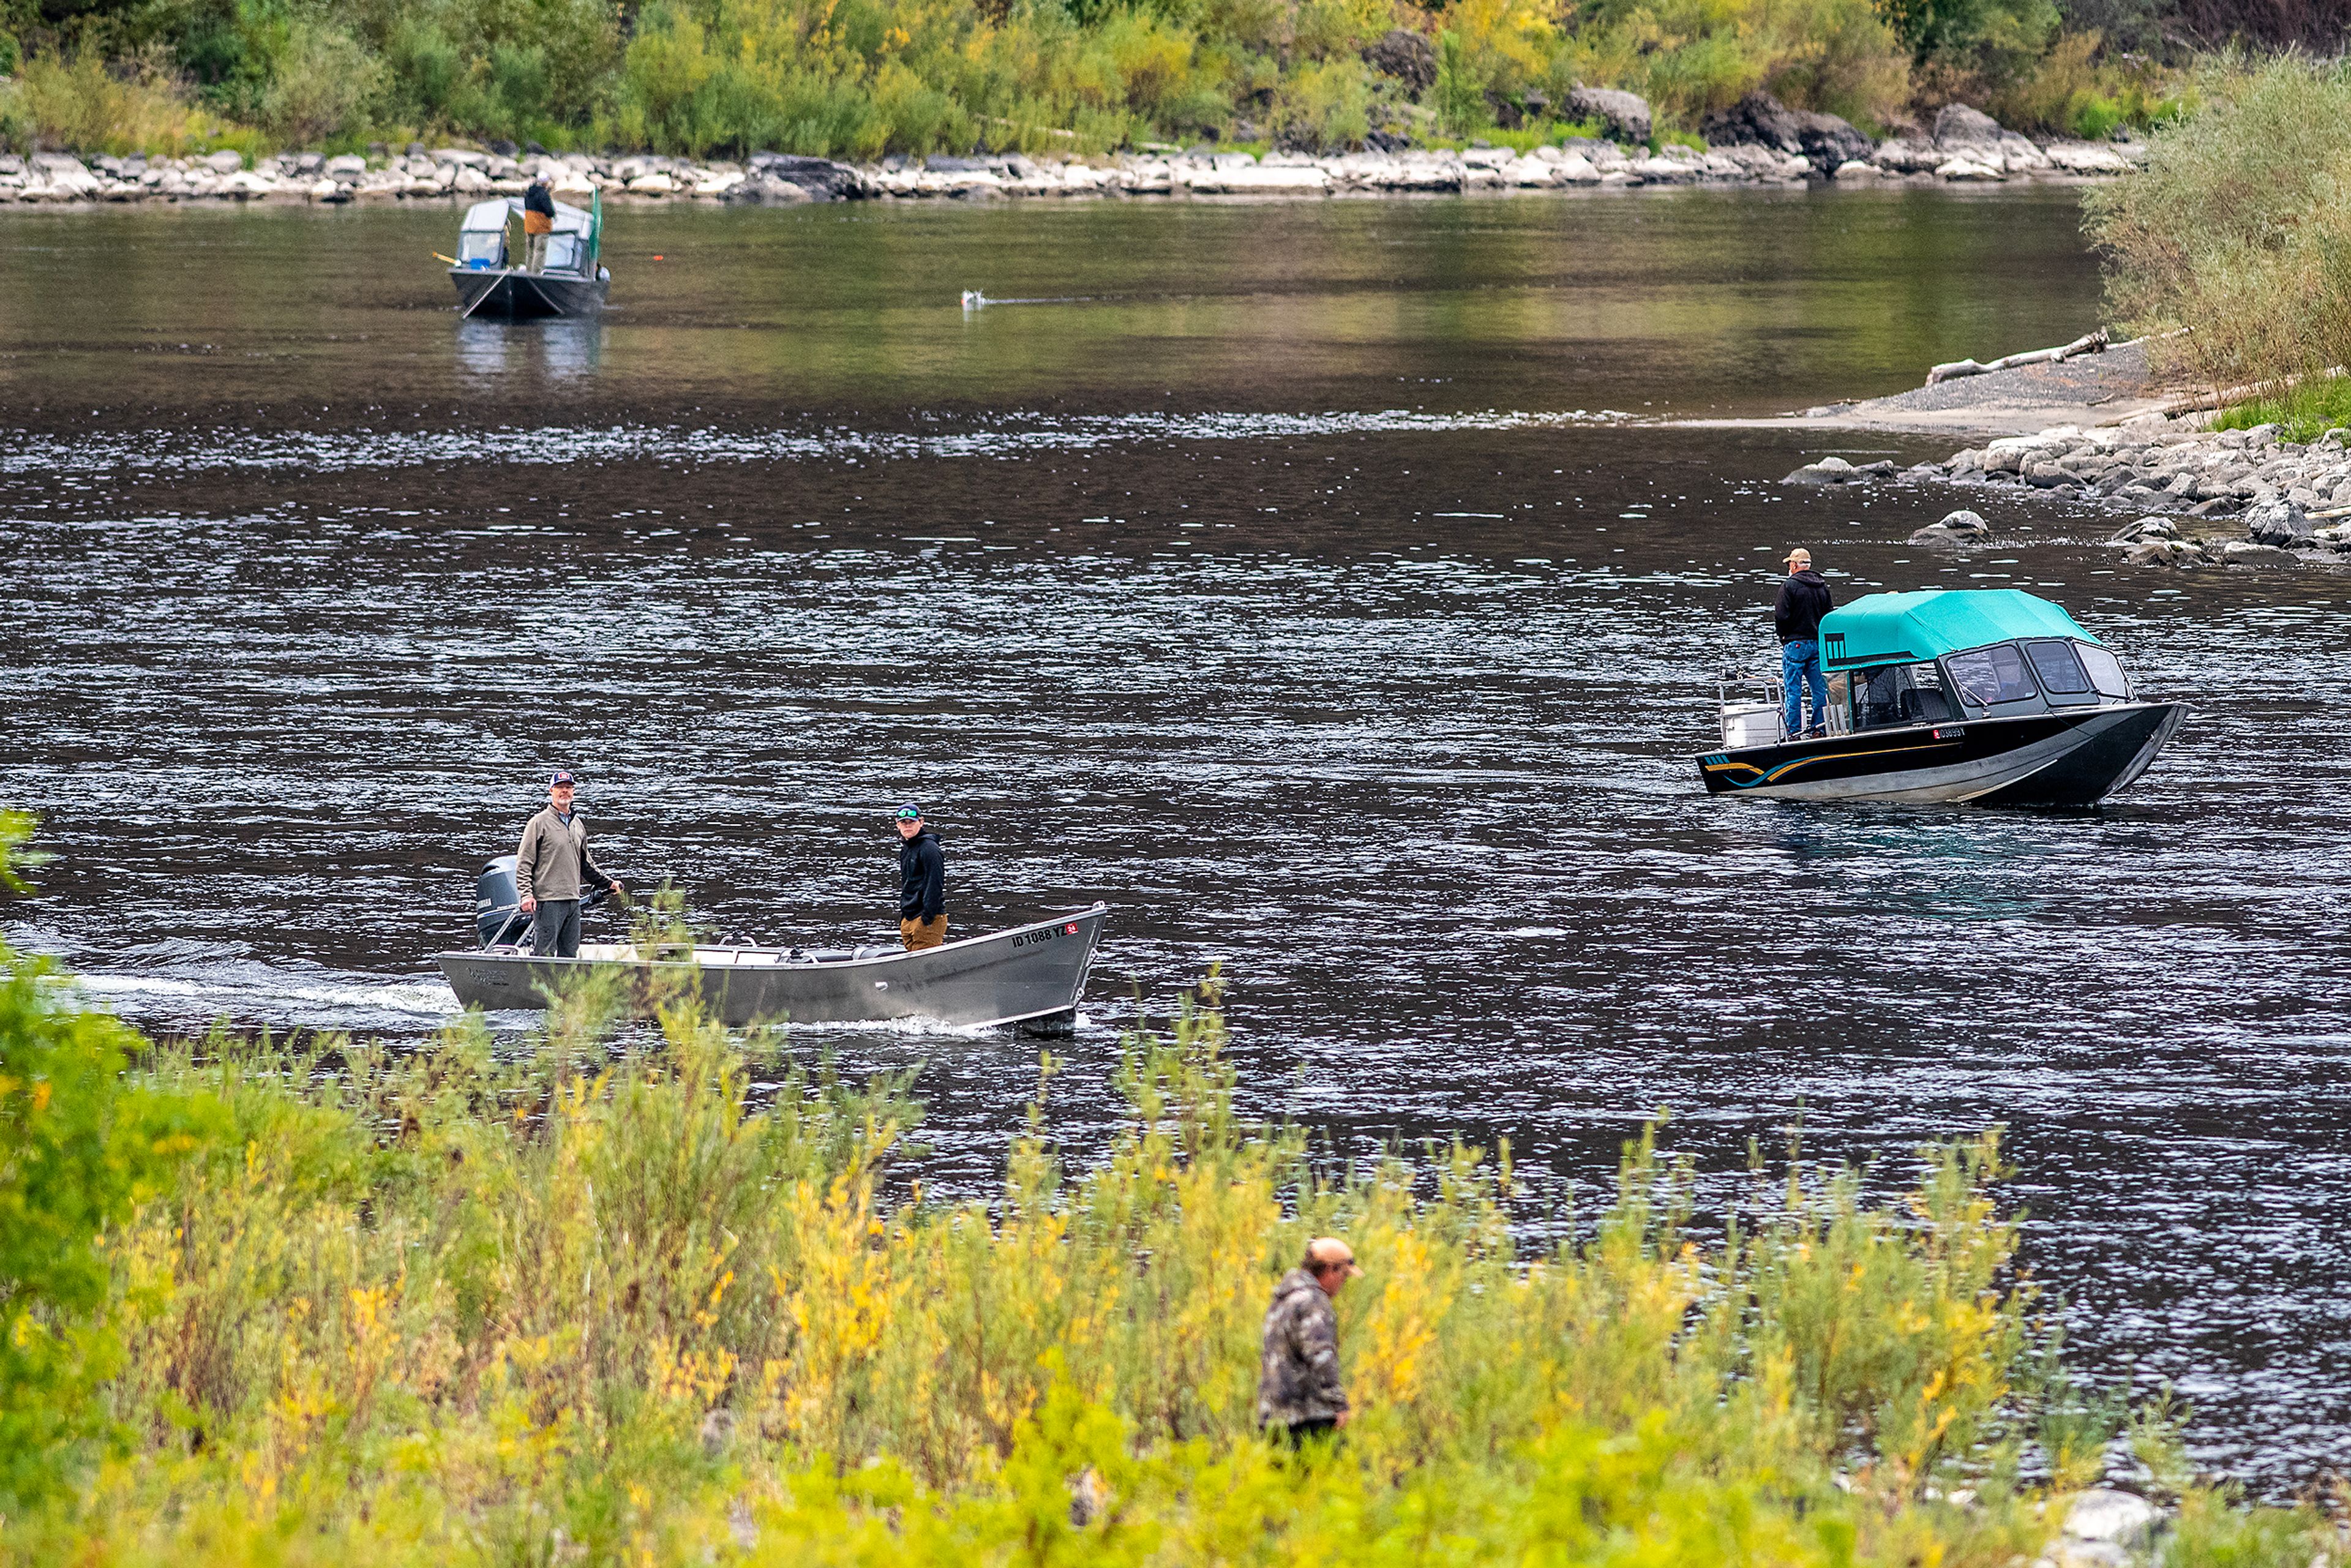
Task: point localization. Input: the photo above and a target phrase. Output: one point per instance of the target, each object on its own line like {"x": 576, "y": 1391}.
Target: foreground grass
{"x": 593, "y": 1305}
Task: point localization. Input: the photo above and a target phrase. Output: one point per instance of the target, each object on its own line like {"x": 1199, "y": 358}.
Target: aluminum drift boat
{"x": 1989, "y": 696}
{"x": 572, "y": 283}
{"x": 1031, "y": 976}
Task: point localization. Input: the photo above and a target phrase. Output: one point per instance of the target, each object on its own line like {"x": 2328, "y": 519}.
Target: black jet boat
{"x": 573, "y": 282}
{"x": 1989, "y": 696}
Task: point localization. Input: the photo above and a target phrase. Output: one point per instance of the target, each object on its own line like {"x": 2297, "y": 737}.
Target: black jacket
{"x": 539, "y": 199}
{"x": 1803, "y": 599}
{"x": 923, "y": 878}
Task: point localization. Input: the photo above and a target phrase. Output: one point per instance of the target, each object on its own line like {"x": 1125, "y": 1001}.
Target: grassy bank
{"x": 2233, "y": 244}
{"x": 865, "y": 77}
{"x": 597, "y": 1304}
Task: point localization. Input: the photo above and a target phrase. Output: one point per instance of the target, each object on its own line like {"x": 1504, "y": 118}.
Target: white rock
{"x": 1488, "y": 157}
{"x": 1666, "y": 170}
{"x": 469, "y": 180}
{"x": 348, "y": 164}
{"x": 1967, "y": 169}
{"x": 656, "y": 184}
{"x": 1855, "y": 169}
{"x": 1575, "y": 168}
{"x": 224, "y": 162}
{"x": 2087, "y": 158}
{"x": 1249, "y": 176}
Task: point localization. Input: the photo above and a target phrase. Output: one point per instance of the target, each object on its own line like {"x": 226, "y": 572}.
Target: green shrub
{"x": 2238, "y": 229}
{"x": 1325, "y": 106}
{"x": 1458, "y": 94}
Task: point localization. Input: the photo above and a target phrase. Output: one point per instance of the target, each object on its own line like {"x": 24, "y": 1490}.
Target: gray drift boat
{"x": 1032, "y": 975}
{"x": 1988, "y": 696}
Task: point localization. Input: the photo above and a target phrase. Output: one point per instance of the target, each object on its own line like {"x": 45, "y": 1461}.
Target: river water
{"x": 1315, "y": 582}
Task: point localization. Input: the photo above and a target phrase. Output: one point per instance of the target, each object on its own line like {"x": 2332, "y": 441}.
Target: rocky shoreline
{"x": 1757, "y": 142}
{"x": 2199, "y": 497}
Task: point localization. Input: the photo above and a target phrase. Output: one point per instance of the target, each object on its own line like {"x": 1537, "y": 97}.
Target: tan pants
{"x": 922, "y": 933}
{"x": 535, "y": 252}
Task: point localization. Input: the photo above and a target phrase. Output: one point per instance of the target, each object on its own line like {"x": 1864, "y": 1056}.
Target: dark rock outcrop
{"x": 1624, "y": 115}
{"x": 819, "y": 177}
{"x": 1828, "y": 141}
{"x": 1406, "y": 56}
{"x": 1759, "y": 119}
{"x": 1957, "y": 127}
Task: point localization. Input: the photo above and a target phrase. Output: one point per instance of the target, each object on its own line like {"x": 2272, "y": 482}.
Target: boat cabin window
{"x": 2106, "y": 672}
{"x": 563, "y": 253}
{"x": 1989, "y": 676}
{"x": 2061, "y": 673}
{"x": 1890, "y": 696}
{"x": 481, "y": 247}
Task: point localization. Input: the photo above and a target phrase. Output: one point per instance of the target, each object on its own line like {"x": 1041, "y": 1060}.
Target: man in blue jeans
{"x": 1803, "y": 599}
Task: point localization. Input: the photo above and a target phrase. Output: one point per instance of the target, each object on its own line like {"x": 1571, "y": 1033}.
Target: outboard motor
{"x": 499, "y": 918}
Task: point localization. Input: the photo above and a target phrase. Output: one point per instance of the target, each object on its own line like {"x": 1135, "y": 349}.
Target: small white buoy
{"x": 973, "y": 300}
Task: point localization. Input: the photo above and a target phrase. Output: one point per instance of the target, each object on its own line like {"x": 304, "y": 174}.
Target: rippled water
{"x": 1313, "y": 582}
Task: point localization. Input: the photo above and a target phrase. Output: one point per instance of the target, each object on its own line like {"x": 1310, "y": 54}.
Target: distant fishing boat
{"x": 1030, "y": 975}
{"x": 1990, "y": 695}
{"x": 573, "y": 282}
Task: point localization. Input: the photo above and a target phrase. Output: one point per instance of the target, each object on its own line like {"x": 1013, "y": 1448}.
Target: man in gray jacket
{"x": 551, "y": 867}
{"x": 1298, "y": 1388}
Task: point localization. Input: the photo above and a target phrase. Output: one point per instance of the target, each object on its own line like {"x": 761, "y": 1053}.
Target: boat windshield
{"x": 1889, "y": 696}
{"x": 2106, "y": 672}
{"x": 1988, "y": 676}
{"x": 563, "y": 253}
{"x": 2060, "y": 670}
{"x": 481, "y": 247}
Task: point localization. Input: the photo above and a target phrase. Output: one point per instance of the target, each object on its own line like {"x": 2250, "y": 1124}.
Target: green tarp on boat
{"x": 1882, "y": 628}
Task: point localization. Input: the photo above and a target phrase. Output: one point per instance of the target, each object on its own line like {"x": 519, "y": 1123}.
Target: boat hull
{"x": 1030, "y": 975}
{"x": 2062, "y": 759}
{"x": 523, "y": 296}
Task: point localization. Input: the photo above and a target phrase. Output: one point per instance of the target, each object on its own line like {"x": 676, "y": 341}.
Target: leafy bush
{"x": 81, "y": 103}
{"x": 1325, "y": 106}
{"x": 2239, "y": 229}
{"x": 598, "y": 1303}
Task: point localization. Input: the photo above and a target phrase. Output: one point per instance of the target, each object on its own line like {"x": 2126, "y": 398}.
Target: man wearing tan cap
{"x": 1803, "y": 599}
{"x": 1299, "y": 1395}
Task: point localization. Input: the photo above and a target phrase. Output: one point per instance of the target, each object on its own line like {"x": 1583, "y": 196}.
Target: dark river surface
{"x": 1303, "y": 579}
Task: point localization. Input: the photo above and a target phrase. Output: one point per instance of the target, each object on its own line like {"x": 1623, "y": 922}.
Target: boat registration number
{"x": 1030, "y": 938}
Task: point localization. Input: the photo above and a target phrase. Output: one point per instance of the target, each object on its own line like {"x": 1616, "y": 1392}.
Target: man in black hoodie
{"x": 922, "y": 882}
{"x": 1803, "y": 599}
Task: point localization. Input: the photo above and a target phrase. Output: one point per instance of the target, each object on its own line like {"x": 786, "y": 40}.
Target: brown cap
{"x": 1329, "y": 1252}
{"x": 1801, "y": 554}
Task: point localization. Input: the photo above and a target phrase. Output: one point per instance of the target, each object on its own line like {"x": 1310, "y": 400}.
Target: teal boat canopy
{"x": 1889, "y": 628}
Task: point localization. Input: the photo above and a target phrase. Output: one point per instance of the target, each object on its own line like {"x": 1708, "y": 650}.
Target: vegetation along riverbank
{"x": 2231, "y": 436}
{"x": 863, "y": 78}
{"x": 1761, "y": 147}
{"x": 602, "y": 1303}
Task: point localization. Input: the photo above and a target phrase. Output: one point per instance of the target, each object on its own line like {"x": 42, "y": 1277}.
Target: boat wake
{"x": 197, "y": 452}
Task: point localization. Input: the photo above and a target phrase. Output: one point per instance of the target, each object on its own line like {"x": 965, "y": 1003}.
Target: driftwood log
{"x": 2088, "y": 343}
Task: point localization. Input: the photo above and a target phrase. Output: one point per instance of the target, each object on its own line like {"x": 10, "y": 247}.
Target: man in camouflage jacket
{"x": 1299, "y": 1395}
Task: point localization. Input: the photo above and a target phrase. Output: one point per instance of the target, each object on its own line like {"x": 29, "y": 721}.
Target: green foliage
{"x": 1968, "y": 30}
{"x": 1459, "y": 94}
{"x": 2238, "y": 230}
{"x": 83, "y": 1151}
{"x": 603, "y": 1304}
{"x": 2302, "y": 411}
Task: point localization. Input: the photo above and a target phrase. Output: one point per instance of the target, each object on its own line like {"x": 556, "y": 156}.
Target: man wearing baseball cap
{"x": 922, "y": 882}
{"x": 1804, "y": 597}
{"x": 551, "y": 867}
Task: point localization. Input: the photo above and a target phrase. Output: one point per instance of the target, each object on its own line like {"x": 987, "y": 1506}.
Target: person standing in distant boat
{"x": 551, "y": 866}
{"x": 922, "y": 882}
{"x": 538, "y": 223}
{"x": 1804, "y": 597}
